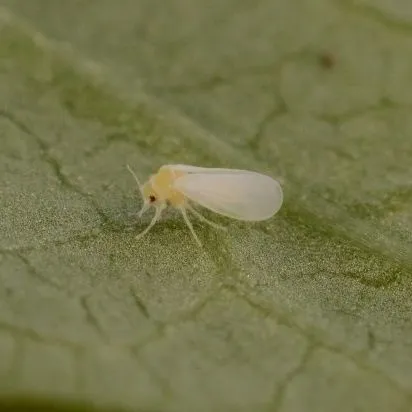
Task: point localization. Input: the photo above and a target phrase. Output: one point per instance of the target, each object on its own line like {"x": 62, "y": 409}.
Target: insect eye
{"x": 152, "y": 198}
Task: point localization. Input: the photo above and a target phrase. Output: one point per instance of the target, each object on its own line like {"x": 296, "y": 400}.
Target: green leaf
{"x": 308, "y": 311}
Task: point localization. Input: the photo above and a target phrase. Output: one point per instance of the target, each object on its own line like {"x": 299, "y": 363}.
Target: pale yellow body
{"x": 159, "y": 191}
{"x": 161, "y": 187}
{"x": 238, "y": 194}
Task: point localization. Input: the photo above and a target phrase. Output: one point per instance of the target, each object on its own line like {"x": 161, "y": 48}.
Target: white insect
{"x": 239, "y": 194}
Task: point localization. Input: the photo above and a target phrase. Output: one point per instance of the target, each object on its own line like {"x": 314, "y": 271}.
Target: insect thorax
{"x": 162, "y": 184}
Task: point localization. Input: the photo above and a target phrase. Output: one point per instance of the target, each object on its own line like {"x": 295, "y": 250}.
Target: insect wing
{"x": 206, "y": 170}
{"x": 240, "y": 195}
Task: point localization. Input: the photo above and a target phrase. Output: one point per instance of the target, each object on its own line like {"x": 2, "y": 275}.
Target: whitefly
{"x": 238, "y": 194}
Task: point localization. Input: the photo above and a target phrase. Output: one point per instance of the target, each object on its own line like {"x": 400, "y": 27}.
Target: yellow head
{"x": 159, "y": 190}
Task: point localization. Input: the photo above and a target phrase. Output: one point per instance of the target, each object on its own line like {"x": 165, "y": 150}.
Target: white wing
{"x": 208, "y": 170}
{"x": 240, "y": 195}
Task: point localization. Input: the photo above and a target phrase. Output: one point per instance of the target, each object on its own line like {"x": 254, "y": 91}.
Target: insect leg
{"x": 156, "y": 217}
{"x": 203, "y": 219}
{"x": 185, "y": 217}
{"x": 144, "y": 208}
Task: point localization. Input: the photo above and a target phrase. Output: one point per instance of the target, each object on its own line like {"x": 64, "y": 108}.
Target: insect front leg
{"x": 144, "y": 208}
{"x": 156, "y": 217}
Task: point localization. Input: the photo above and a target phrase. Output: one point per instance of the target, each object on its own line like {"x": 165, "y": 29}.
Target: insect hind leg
{"x": 189, "y": 224}
{"x": 203, "y": 219}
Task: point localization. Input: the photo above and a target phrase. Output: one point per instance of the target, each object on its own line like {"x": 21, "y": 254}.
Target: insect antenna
{"x": 140, "y": 186}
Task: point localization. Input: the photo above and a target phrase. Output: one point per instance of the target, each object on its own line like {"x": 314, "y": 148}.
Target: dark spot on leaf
{"x": 327, "y": 60}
